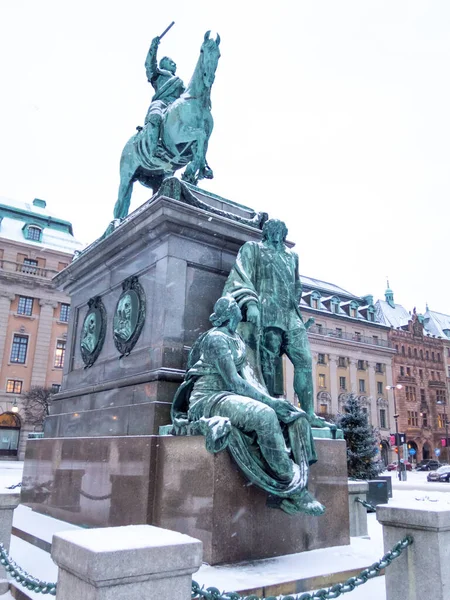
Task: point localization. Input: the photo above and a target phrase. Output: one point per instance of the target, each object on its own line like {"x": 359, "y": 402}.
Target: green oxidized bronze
{"x": 265, "y": 283}
{"x": 129, "y": 316}
{"x": 221, "y": 397}
{"x": 93, "y": 331}
{"x": 177, "y": 126}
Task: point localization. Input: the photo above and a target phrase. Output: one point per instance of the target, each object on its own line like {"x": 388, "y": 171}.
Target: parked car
{"x": 442, "y": 472}
{"x": 428, "y": 464}
{"x": 393, "y": 466}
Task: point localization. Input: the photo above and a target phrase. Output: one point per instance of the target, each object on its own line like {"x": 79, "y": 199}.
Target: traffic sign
{"x": 412, "y": 451}
{"x": 437, "y": 451}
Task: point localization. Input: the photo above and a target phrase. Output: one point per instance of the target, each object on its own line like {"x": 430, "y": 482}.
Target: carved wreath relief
{"x": 129, "y": 316}
{"x": 93, "y": 331}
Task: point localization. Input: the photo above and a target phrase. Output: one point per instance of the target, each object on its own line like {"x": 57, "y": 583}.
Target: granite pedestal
{"x": 181, "y": 256}
{"x": 173, "y": 482}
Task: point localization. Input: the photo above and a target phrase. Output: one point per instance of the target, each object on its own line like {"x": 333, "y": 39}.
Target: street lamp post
{"x": 393, "y": 388}
{"x": 443, "y": 403}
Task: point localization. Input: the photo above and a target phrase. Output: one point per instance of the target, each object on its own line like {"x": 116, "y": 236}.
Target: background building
{"x": 419, "y": 366}
{"x": 351, "y": 353}
{"x": 34, "y": 246}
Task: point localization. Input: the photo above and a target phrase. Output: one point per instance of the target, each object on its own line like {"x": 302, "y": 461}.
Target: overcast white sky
{"x": 333, "y": 115}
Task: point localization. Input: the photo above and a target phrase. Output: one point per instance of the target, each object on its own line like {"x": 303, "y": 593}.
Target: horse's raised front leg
{"x": 127, "y": 173}
{"x": 197, "y": 164}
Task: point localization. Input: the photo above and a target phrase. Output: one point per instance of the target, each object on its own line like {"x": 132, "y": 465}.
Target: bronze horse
{"x": 184, "y": 136}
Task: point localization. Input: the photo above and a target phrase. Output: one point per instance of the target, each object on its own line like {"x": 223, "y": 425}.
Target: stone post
{"x": 357, "y": 512}
{"x": 422, "y": 570}
{"x": 9, "y": 500}
{"x": 120, "y": 563}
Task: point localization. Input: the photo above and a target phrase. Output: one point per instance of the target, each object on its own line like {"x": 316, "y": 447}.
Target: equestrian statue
{"x": 177, "y": 126}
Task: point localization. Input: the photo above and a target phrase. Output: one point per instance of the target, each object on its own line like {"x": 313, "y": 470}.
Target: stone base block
{"x": 173, "y": 482}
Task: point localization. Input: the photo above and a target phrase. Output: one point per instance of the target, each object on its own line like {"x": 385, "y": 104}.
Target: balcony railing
{"x": 24, "y": 269}
{"x": 362, "y": 339}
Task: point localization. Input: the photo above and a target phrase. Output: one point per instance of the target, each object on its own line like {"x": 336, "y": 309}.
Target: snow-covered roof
{"x": 393, "y": 316}
{"x": 56, "y": 232}
{"x": 324, "y": 285}
{"x": 437, "y": 323}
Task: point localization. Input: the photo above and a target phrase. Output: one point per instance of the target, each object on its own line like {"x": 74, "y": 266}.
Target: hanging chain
{"x": 334, "y": 591}
{"x": 22, "y": 577}
{"x": 366, "y": 504}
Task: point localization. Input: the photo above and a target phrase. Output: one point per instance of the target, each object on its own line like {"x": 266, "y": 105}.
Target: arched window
{"x": 33, "y": 232}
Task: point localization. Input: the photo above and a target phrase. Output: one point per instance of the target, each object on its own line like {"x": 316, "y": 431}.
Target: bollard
{"x": 119, "y": 563}
{"x": 357, "y": 512}
{"x": 9, "y": 500}
{"x": 422, "y": 571}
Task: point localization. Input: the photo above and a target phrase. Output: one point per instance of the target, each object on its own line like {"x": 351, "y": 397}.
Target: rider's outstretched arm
{"x": 151, "y": 65}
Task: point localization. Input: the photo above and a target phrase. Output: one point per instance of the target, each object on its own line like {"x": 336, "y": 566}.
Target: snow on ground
{"x": 361, "y": 552}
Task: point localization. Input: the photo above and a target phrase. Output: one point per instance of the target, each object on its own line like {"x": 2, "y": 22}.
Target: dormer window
{"x": 335, "y": 302}
{"x": 33, "y": 232}
{"x": 354, "y": 310}
{"x": 315, "y": 300}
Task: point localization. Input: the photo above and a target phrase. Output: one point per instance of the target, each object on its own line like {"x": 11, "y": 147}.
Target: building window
{"x": 424, "y": 419}
{"x": 25, "y": 306}
{"x": 403, "y": 350}
{"x": 409, "y": 352}
{"x": 338, "y": 332}
{"x": 13, "y": 386}
{"x": 319, "y": 328}
{"x": 59, "y": 354}
{"x": 438, "y": 375}
{"x": 321, "y": 359}
{"x": 402, "y": 371}
{"x": 410, "y": 392}
{"x": 439, "y": 356}
{"x": 335, "y": 305}
{"x": 422, "y": 396}
{"x": 421, "y": 354}
{"x": 420, "y": 373}
{"x": 55, "y": 388}
{"x": 432, "y": 356}
{"x": 408, "y": 371}
{"x": 427, "y": 356}
{"x": 378, "y": 367}
{"x": 440, "y": 396}
{"x": 19, "y": 349}
{"x": 379, "y": 387}
{"x": 323, "y": 409}
{"x": 432, "y": 375}
{"x": 415, "y": 353}
{"x": 322, "y": 380}
{"x": 361, "y": 365}
{"x": 342, "y": 383}
{"x": 396, "y": 348}
{"x": 34, "y": 233}
{"x": 342, "y": 361}
{"x": 64, "y": 313}
{"x": 362, "y": 385}
{"x": 357, "y": 336}
{"x": 383, "y": 418}
{"x": 376, "y": 340}
{"x": 413, "y": 418}
{"x": 30, "y": 266}
{"x": 441, "y": 421}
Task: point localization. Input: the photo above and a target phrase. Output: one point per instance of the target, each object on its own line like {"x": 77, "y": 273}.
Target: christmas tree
{"x": 362, "y": 443}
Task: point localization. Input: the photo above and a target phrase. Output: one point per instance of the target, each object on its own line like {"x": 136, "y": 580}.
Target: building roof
{"x": 317, "y": 284}
{"x": 57, "y": 234}
{"x": 437, "y": 323}
{"x": 394, "y": 316}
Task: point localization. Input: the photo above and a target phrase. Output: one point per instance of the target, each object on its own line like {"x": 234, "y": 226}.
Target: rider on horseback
{"x": 168, "y": 87}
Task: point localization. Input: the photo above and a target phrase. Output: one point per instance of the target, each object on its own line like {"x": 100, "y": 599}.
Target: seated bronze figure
{"x": 269, "y": 438}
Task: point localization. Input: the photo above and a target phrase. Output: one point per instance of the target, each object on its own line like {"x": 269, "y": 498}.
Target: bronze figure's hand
{"x": 253, "y": 315}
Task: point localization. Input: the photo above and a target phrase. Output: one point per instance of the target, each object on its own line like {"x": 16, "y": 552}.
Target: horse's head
{"x": 210, "y": 54}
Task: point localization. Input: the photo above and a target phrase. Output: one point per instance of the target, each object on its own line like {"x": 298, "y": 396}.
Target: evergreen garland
{"x": 363, "y": 461}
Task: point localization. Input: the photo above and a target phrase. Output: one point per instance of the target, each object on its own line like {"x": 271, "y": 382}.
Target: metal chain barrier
{"x": 334, "y": 591}
{"x": 13, "y": 487}
{"x": 22, "y": 577}
{"x": 366, "y": 504}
